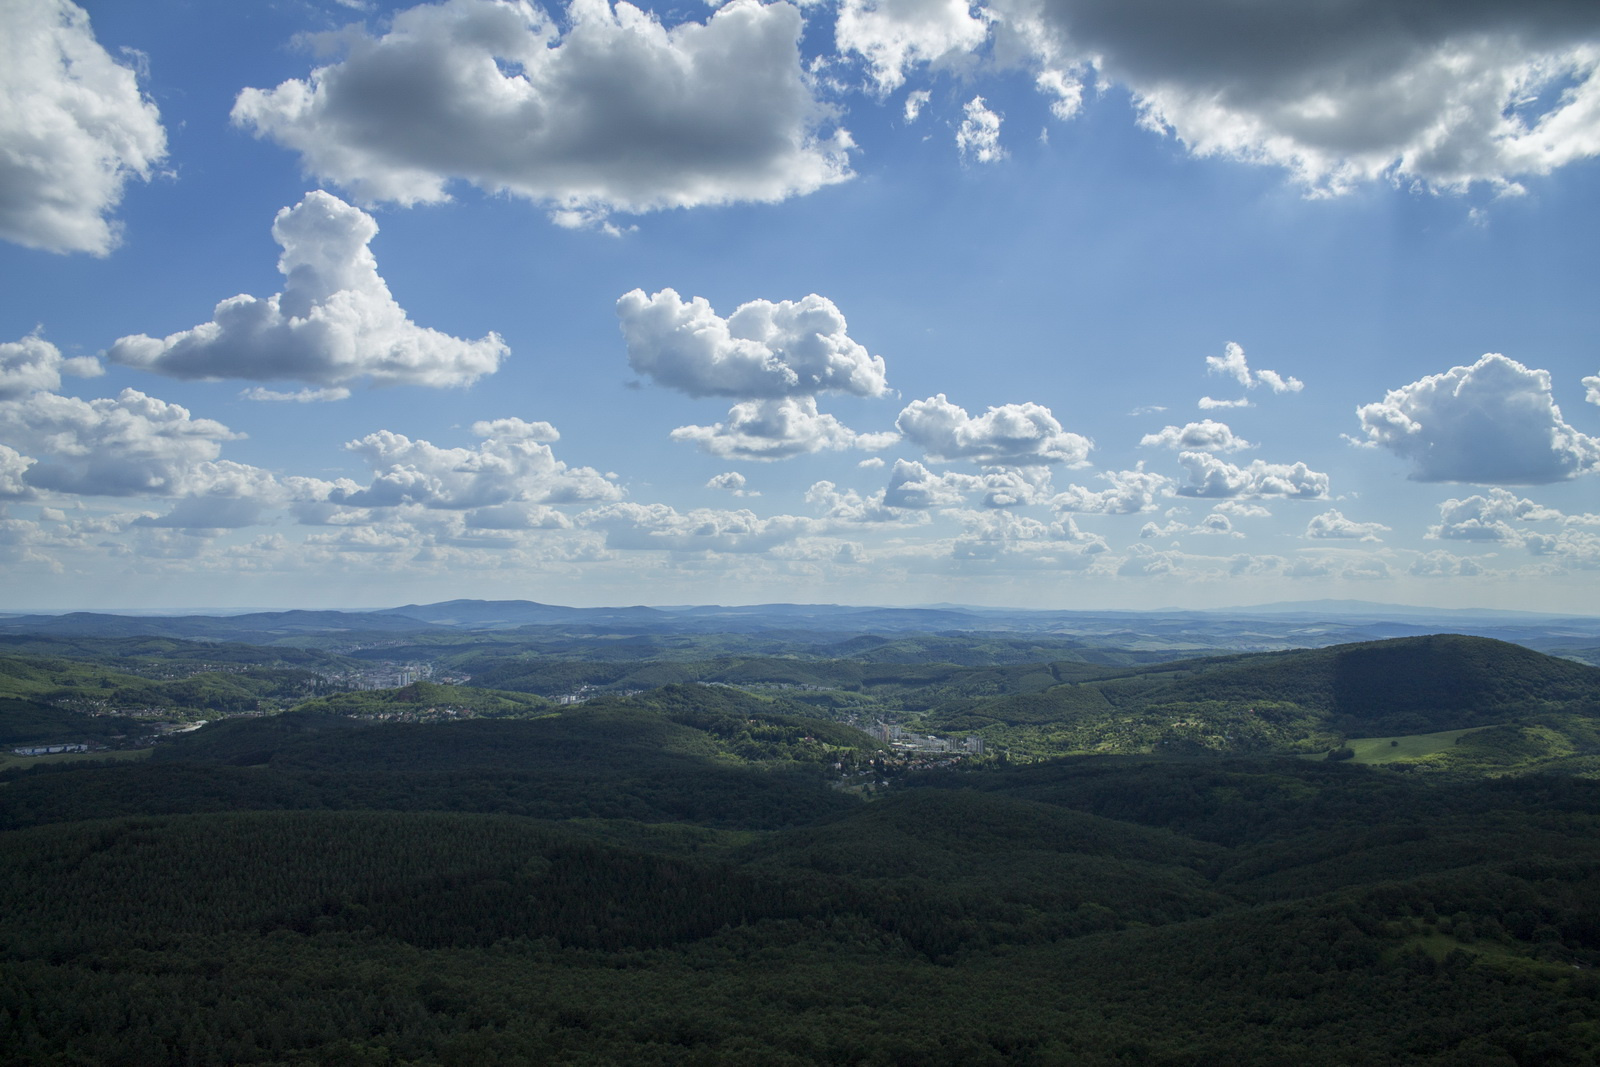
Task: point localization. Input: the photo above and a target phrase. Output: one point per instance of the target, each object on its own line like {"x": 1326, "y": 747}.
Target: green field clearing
{"x": 8, "y": 761}
{"x": 1414, "y": 746}
{"x": 1439, "y": 945}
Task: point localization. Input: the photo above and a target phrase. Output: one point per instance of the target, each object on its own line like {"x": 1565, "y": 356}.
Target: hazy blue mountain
{"x": 1270, "y": 627}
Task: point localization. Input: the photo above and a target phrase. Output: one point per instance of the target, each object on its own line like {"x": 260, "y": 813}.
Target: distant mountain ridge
{"x": 231, "y": 627}
{"x": 1375, "y": 609}
{"x": 1265, "y": 628}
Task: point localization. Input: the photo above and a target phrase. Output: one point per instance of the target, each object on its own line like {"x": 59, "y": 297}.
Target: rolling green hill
{"x": 148, "y": 681}
{"x": 1307, "y": 701}
{"x": 673, "y": 876}
{"x": 1059, "y": 914}
{"x": 699, "y": 754}
{"x": 422, "y": 698}
{"x": 1402, "y": 686}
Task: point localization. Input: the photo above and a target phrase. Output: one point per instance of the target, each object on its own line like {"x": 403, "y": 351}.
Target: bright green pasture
{"x": 1413, "y": 746}
{"x": 8, "y": 761}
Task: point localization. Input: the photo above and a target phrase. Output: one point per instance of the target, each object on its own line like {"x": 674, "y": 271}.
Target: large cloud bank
{"x": 1493, "y": 423}
{"x": 618, "y": 113}
{"x": 1338, "y": 93}
{"x": 73, "y": 129}
{"x": 334, "y": 322}
{"x": 128, "y": 445}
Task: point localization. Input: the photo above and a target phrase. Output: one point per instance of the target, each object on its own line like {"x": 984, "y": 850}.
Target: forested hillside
{"x": 1371, "y": 922}
{"x": 700, "y": 874}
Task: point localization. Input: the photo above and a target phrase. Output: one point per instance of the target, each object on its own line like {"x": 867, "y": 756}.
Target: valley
{"x": 1382, "y": 851}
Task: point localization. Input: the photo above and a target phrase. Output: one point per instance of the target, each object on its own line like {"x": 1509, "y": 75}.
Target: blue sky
{"x": 1041, "y": 303}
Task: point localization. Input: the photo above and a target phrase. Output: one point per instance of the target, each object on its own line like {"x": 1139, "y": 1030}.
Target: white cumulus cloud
{"x": 764, "y": 350}
{"x": 1242, "y": 510}
{"x": 1488, "y": 517}
{"x": 992, "y": 537}
{"x": 914, "y": 486}
{"x": 659, "y": 527}
{"x": 729, "y": 482}
{"x": 1573, "y": 548}
{"x": 1331, "y": 525}
{"x": 220, "y": 495}
{"x": 916, "y": 100}
{"x": 615, "y": 113}
{"x": 1066, "y": 90}
{"x": 1493, "y": 423}
{"x": 73, "y": 129}
{"x": 1215, "y": 524}
{"x": 1211, "y": 403}
{"x": 513, "y": 465}
{"x": 13, "y": 466}
{"x": 848, "y": 505}
{"x": 1143, "y": 561}
{"x": 516, "y": 429}
{"x": 978, "y": 136}
{"x": 770, "y": 429}
{"x": 334, "y": 322}
{"x": 1211, "y": 477}
{"x": 1204, "y": 436}
{"x": 516, "y": 517}
{"x": 1130, "y": 493}
{"x": 892, "y": 35}
{"x": 34, "y": 365}
{"x": 1232, "y": 364}
{"x": 1012, "y": 435}
{"x": 1444, "y": 565}
{"x": 1245, "y": 565}
{"x": 128, "y": 445}
{"x": 1011, "y": 487}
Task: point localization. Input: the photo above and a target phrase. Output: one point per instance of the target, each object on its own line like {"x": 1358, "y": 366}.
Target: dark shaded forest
{"x": 696, "y": 874}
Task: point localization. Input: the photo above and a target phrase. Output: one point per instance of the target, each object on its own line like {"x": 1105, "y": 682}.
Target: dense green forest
{"x": 1153, "y": 863}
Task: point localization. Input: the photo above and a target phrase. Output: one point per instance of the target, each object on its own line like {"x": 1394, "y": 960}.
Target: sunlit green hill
{"x": 1306, "y": 701}
{"x": 1400, "y": 686}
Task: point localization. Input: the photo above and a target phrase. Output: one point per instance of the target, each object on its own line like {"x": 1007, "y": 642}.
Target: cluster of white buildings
{"x": 905, "y": 741}
{"x": 383, "y": 676}
{"x": 48, "y": 750}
